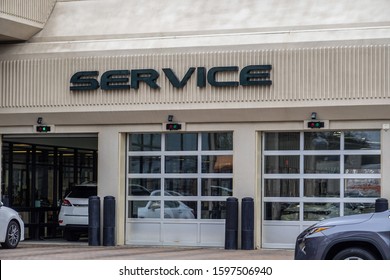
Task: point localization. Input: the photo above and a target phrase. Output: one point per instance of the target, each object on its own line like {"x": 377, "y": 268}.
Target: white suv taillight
{"x": 66, "y": 203}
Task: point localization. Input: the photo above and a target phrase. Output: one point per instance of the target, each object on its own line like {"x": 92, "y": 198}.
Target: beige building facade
{"x": 244, "y": 84}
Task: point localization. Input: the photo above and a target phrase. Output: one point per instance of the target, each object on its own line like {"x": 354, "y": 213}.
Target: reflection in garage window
{"x": 145, "y": 142}
{"x": 217, "y": 141}
{"x": 180, "y": 209}
{"x": 181, "y": 142}
{"x": 217, "y": 164}
{"x": 282, "y": 164}
{"x": 322, "y": 140}
{"x": 181, "y": 164}
{"x": 362, "y": 140}
{"x": 320, "y": 211}
{"x": 281, "y": 141}
{"x": 322, "y": 164}
{"x": 145, "y": 164}
{"x": 217, "y": 187}
{"x": 281, "y": 211}
{"x": 362, "y": 188}
{"x": 213, "y": 210}
{"x": 365, "y": 164}
{"x": 281, "y": 187}
{"x": 322, "y": 188}
{"x": 133, "y": 207}
{"x": 352, "y": 208}
{"x": 143, "y": 186}
{"x": 182, "y": 187}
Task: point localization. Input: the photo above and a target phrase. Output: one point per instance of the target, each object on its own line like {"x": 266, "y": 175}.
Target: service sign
{"x": 252, "y": 75}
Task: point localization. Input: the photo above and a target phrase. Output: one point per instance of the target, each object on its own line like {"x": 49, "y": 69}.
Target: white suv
{"x": 73, "y": 217}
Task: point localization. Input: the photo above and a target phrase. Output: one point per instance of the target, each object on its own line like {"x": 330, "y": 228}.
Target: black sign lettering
{"x": 110, "y": 80}
{"x": 252, "y": 75}
{"x": 255, "y": 75}
{"x": 211, "y": 76}
{"x": 149, "y": 76}
{"x": 83, "y": 80}
{"x": 174, "y": 80}
{"x": 201, "y": 77}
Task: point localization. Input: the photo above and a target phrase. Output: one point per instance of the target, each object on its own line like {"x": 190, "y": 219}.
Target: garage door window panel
{"x": 181, "y": 187}
{"x": 282, "y": 141}
{"x": 322, "y": 188}
{"x": 280, "y": 164}
{"x": 362, "y": 140}
{"x": 281, "y": 187}
{"x": 217, "y": 187}
{"x": 145, "y": 142}
{"x": 322, "y": 140}
{"x": 281, "y": 211}
{"x": 144, "y": 164}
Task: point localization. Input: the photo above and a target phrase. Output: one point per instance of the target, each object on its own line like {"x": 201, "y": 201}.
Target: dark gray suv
{"x": 363, "y": 237}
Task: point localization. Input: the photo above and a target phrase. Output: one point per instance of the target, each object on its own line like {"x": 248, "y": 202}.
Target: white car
{"x": 11, "y": 227}
{"x": 173, "y": 209}
{"x": 73, "y": 216}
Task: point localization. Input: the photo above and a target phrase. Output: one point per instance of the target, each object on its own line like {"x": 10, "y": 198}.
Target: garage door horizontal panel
{"x": 280, "y": 236}
{"x": 180, "y": 233}
{"x": 149, "y": 232}
{"x": 212, "y": 234}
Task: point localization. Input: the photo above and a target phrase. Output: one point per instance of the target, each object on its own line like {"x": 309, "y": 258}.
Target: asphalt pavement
{"x": 62, "y": 250}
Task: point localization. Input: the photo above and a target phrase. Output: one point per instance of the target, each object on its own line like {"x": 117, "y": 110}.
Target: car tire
{"x": 355, "y": 253}
{"x": 13, "y": 236}
{"x": 71, "y": 236}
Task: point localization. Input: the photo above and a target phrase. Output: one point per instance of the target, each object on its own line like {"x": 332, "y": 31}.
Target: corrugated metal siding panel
{"x": 33, "y": 10}
{"x": 312, "y": 74}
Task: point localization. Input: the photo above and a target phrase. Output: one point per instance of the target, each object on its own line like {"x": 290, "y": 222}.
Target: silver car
{"x": 11, "y": 227}
{"x": 362, "y": 237}
{"x": 172, "y": 209}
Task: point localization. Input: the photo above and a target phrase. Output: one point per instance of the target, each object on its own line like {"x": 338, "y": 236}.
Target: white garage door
{"x": 177, "y": 186}
{"x": 310, "y": 176}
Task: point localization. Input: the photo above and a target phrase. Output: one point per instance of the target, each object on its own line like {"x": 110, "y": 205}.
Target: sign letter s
{"x": 84, "y": 80}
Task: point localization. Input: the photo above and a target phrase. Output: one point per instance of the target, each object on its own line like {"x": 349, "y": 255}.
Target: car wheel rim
{"x": 13, "y": 235}
{"x": 353, "y": 258}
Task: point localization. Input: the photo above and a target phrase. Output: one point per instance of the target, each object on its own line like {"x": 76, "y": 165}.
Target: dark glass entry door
{"x": 35, "y": 178}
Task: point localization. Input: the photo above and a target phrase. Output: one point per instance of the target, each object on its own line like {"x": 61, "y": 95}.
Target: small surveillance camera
{"x": 39, "y": 120}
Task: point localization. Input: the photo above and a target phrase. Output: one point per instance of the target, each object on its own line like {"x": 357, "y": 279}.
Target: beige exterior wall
{"x": 20, "y": 19}
{"x": 327, "y": 76}
{"x": 33, "y": 10}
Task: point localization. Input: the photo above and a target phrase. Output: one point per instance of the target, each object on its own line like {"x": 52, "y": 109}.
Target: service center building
{"x": 172, "y": 107}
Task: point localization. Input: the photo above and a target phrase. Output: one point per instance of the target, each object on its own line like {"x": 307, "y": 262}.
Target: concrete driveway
{"x": 46, "y": 250}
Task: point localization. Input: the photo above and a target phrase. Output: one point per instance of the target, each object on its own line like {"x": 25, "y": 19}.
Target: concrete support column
{"x": 244, "y": 167}
{"x": 385, "y": 164}
{"x": 111, "y": 152}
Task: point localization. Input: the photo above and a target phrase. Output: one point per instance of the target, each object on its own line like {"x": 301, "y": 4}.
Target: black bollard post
{"x": 381, "y": 204}
{"x": 231, "y": 227}
{"x": 109, "y": 221}
{"x": 247, "y": 223}
{"x": 94, "y": 221}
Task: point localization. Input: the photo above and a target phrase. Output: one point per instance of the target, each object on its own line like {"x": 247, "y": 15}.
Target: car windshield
{"x": 83, "y": 192}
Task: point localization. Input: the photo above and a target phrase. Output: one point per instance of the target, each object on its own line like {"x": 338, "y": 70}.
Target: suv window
{"x": 83, "y": 192}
